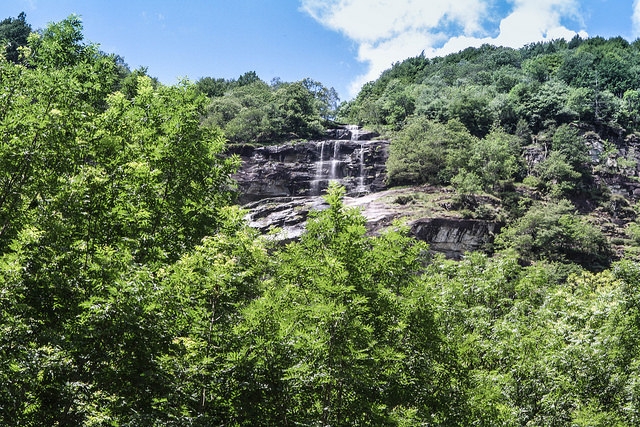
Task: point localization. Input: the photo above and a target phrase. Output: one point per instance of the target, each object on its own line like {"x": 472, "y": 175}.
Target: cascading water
{"x": 335, "y": 161}
{"x": 334, "y": 171}
{"x": 361, "y": 188}
{"x": 315, "y": 184}
{"x": 355, "y": 136}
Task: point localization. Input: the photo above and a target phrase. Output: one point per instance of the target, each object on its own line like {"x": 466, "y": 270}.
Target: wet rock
{"x": 284, "y": 219}
{"x": 305, "y": 169}
{"x": 281, "y": 184}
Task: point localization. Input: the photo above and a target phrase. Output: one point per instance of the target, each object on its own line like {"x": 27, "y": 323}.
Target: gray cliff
{"x": 352, "y": 158}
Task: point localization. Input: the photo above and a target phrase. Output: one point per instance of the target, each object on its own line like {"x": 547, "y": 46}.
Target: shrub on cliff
{"x": 554, "y": 232}
{"x": 423, "y": 152}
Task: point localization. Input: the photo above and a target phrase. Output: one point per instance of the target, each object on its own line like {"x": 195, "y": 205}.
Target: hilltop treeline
{"x": 250, "y": 110}
{"x": 546, "y": 94}
{"x": 592, "y": 80}
{"x": 133, "y": 292}
{"x": 450, "y": 115}
{"x": 538, "y": 126}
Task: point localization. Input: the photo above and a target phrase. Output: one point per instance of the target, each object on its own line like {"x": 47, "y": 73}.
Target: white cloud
{"x": 635, "y": 19}
{"x": 382, "y": 55}
{"x": 372, "y": 21}
{"x": 537, "y": 20}
{"x": 392, "y": 30}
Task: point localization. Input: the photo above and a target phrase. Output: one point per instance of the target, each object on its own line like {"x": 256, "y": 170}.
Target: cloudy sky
{"x": 341, "y": 43}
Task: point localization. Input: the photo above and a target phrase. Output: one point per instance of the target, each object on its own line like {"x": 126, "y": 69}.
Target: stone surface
{"x": 615, "y": 162}
{"x": 357, "y": 161}
{"x": 455, "y": 236}
{"x": 451, "y": 236}
{"x": 281, "y": 184}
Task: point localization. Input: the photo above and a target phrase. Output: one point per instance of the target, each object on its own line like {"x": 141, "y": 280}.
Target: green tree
{"x": 630, "y": 109}
{"x": 59, "y": 45}
{"x": 342, "y": 332}
{"x": 557, "y": 176}
{"x": 296, "y": 111}
{"x": 542, "y": 104}
{"x": 98, "y": 194}
{"x": 542, "y": 67}
{"x": 204, "y": 294}
{"x": 13, "y": 35}
{"x": 212, "y": 87}
{"x": 470, "y": 105}
{"x": 248, "y": 78}
{"x": 492, "y": 160}
{"x": 326, "y": 98}
{"x": 567, "y": 141}
{"x": 129, "y": 84}
{"x": 45, "y": 121}
{"x": 553, "y": 232}
{"x": 427, "y": 152}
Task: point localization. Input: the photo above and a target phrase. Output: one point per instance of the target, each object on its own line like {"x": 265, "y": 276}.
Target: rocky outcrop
{"x": 615, "y": 164}
{"x": 355, "y": 159}
{"x": 281, "y": 184}
{"x": 455, "y": 236}
{"x": 618, "y": 166}
{"x": 287, "y": 215}
{"x": 451, "y": 236}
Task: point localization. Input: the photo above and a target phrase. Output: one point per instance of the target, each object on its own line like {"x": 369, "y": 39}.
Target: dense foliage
{"x": 249, "y": 110}
{"x": 133, "y": 293}
{"x": 534, "y": 127}
{"x": 13, "y": 35}
{"x": 542, "y": 100}
{"x": 556, "y": 82}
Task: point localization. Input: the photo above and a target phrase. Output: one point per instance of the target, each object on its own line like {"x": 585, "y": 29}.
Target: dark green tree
{"x": 427, "y": 152}
{"x": 13, "y": 35}
{"x": 248, "y": 78}
{"x": 212, "y": 87}
{"x": 296, "y": 111}
{"x": 491, "y": 160}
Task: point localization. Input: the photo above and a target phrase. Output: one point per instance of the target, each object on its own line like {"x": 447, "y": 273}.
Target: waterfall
{"x": 335, "y": 161}
{"x": 360, "y": 188}
{"x": 355, "y": 171}
{"x": 355, "y": 136}
{"x": 315, "y": 184}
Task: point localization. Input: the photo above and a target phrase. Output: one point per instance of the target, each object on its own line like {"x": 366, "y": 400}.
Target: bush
{"x": 554, "y": 232}
{"x": 422, "y": 153}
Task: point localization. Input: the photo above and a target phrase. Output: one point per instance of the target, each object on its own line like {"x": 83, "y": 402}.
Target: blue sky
{"x": 341, "y": 43}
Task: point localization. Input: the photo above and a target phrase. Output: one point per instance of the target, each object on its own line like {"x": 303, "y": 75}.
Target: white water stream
{"x": 334, "y": 172}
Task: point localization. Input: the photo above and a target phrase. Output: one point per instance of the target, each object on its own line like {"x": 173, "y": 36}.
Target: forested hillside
{"x": 133, "y": 292}
{"x": 550, "y": 124}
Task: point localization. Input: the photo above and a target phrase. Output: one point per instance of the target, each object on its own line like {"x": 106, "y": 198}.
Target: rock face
{"x": 447, "y": 235}
{"x": 455, "y": 236}
{"x": 353, "y": 158}
{"x": 281, "y": 184}
{"x": 620, "y": 169}
{"x": 614, "y": 164}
